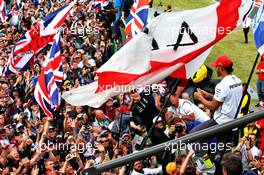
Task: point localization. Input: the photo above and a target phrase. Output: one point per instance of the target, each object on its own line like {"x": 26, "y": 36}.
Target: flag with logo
{"x": 174, "y": 44}
{"x": 46, "y": 91}
{"x": 137, "y": 18}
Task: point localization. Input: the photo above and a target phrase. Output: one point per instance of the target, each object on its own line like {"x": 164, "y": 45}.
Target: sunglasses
{"x": 103, "y": 141}
{"x": 53, "y": 130}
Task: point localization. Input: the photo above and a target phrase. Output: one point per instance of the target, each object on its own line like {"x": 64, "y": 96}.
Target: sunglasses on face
{"x": 103, "y": 141}
{"x": 50, "y": 131}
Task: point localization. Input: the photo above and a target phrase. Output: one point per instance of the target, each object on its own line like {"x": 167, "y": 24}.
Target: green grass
{"x": 242, "y": 54}
{"x": 183, "y": 4}
{"x": 232, "y": 45}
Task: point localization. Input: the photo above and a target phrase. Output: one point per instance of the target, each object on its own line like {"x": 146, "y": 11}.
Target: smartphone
{"x": 74, "y": 163}
{"x": 256, "y": 157}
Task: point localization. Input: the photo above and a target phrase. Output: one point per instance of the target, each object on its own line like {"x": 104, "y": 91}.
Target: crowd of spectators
{"x": 79, "y": 137}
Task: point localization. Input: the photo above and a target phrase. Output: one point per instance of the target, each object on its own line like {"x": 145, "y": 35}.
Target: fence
{"x": 215, "y": 130}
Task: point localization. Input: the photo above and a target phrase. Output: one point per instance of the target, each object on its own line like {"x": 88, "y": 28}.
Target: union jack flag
{"x": 51, "y": 24}
{"x": 25, "y": 49}
{"x": 137, "y": 18}
{"x": 46, "y": 91}
{"x": 3, "y": 13}
{"x": 38, "y": 37}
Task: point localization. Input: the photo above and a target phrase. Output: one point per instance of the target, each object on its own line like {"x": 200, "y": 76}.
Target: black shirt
{"x": 146, "y": 110}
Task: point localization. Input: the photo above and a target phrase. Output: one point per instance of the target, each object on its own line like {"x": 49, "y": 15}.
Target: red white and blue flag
{"x": 52, "y": 23}
{"x": 258, "y": 30}
{"x": 46, "y": 91}
{"x": 37, "y": 38}
{"x": 174, "y": 44}
{"x": 137, "y": 18}
{"x": 3, "y": 12}
{"x": 25, "y": 49}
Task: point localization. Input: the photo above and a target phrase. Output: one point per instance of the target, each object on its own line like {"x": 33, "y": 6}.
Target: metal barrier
{"x": 215, "y": 130}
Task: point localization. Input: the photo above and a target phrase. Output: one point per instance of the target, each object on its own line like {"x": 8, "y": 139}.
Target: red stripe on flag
{"x": 18, "y": 59}
{"x": 59, "y": 24}
{"x": 137, "y": 23}
{"x": 227, "y": 17}
{"x": 58, "y": 78}
{"x": 109, "y": 78}
{"x": 41, "y": 82}
{"x": 224, "y": 11}
{"x": 43, "y": 106}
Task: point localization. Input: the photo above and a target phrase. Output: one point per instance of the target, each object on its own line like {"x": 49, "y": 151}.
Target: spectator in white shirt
{"x": 139, "y": 170}
{"x": 186, "y": 110}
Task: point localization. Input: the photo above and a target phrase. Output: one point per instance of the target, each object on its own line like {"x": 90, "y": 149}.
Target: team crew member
{"x": 186, "y": 110}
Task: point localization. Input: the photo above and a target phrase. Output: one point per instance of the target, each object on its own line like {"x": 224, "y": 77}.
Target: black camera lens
{"x": 179, "y": 128}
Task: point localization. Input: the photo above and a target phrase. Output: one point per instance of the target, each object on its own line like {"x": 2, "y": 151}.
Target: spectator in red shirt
{"x": 260, "y": 82}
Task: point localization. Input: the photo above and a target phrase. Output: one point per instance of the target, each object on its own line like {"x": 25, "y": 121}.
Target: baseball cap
{"x": 51, "y": 127}
{"x": 66, "y": 82}
{"x": 171, "y": 167}
{"x": 223, "y": 61}
{"x": 125, "y": 135}
{"x": 91, "y": 62}
{"x": 155, "y": 118}
{"x": 19, "y": 125}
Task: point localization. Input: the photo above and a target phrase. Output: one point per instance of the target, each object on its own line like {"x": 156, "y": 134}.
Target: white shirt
{"x": 187, "y": 108}
{"x": 148, "y": 171}
{"x": 229, "y": 92}
{"x": 1, "y": 70}
{"x": 254, "y": 151}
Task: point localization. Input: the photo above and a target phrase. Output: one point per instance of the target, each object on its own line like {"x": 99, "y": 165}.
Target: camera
{"x": 179, "y": 128}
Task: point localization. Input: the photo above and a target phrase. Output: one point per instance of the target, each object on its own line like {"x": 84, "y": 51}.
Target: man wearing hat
{"x": 225, "y": 101}
{"x": 228, "y": 93}
{"x": 159, "y": 135}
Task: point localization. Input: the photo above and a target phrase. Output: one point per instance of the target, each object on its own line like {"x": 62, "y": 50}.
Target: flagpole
{"x": 218, "y": 170}
{"x": 176, "y": 83}
{"x": 120, "y": 122}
